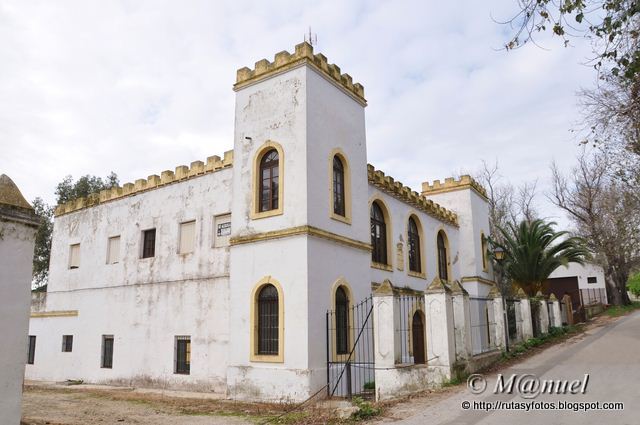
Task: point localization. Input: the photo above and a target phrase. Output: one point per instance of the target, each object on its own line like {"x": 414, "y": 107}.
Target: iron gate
{"x": 350, "y": 355}
{"x": 513, "y": 319}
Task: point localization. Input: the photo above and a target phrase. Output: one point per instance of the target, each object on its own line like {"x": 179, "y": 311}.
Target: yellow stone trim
{"x": 450, "y": 185}
{"x": 477, "y": 279}
{"x": 284, "y": 61}
{"x": 341, "y": 282}
{"x": 347, "y": 186}
{"x": 389, "y": 226}
{"x": 182, "y": 172}
{"x": 404, "y": 193}
{"x": 255, "y": 182}
{"x": 418, "y": 275}
{"x": 379, "y": 266}
{"x": 55, "y": 313}
{"x": 423, "y": 262}
{"x": 254, "y": 356}
{"x": 300, "y": 230}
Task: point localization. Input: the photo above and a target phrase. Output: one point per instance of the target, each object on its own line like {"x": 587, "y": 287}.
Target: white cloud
{"x": 138, "y": 87}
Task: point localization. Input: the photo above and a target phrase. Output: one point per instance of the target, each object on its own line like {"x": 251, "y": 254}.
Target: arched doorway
{"x": 417, "y": 334}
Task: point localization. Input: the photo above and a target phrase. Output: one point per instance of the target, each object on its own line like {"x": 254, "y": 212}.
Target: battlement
{"x": 284, "y": 61}
{"x": 406, "y": 194}
{"x": 182, "y": 172}
{"x": 450, "y": 184}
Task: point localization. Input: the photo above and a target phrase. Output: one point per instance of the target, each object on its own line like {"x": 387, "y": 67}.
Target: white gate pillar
{"x": 544, "y": 313}
{"x": 462, "y": 321}
{"x": 441, "y": 352}
{"x": 498, "y": 318}
{"x": 557, "y": 319}
{"x": 525, "y": 311}
{"x": 383, "y": 326}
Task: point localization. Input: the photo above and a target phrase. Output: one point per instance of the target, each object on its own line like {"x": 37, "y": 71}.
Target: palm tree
{"x": 533, "y": 250}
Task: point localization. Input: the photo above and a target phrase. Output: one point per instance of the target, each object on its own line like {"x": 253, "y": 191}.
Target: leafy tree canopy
{"x": 68, "y": 190}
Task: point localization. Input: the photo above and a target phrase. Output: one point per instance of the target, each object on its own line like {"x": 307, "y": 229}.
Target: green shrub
{"x": 365, "y": 409}
{"x": 633, "y": 285}
{"x": 371, "y": 385}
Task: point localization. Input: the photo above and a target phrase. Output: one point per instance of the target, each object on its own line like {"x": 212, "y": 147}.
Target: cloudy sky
{"x": 136, "y": 87}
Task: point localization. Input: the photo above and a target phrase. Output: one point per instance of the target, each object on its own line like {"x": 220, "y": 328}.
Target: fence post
{"x": 544, "y": 313}
{"x": 462, "y": 321}
{"x": 498, "y": 318}
{"x": 441, "y": 353}
{"x": 557, "y": 318}
{"x": 568, "y": 305}
{"x": 525, "y": 311}
{"x": 383, "y": 334}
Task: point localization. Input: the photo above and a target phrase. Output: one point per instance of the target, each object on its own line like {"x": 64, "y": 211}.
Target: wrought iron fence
{"x": 535, "y": 318}
{"x": 514, "y": 319}
{"x": 482, "y": 325}
{"x": 410, "y": 329}
{"x": 350, "y": 355}
{"x": 552, "y": 315}
{"x": 593, "y": 296}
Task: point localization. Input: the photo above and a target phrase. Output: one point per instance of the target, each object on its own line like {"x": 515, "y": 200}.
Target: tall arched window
{"x": 269, "y": 181}
{"x": 443, "y": 271}
{"x": 338, "y": 187}
{"x": 485, "y": 252}
{"x": 342, "y": 321}
{"x": 378, "y": 235}
{"x": 268, "y": 320}
{"x": 415, "y": 262}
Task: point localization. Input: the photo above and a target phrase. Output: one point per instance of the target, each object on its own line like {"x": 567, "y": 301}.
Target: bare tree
{"x": 606, "y": 214}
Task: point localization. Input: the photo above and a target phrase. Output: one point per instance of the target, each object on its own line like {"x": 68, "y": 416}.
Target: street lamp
{"x": 498, "y": 254}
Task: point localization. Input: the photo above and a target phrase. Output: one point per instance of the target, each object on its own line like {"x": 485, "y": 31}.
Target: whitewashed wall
{"x": 144, "y": 303}
{"x": 582, "y": 272}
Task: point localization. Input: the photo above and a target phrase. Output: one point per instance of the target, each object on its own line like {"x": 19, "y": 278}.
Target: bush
{"x": 365, "y": 409}
{"x": 633, "y": 285}
{"x": 371, "y": 385}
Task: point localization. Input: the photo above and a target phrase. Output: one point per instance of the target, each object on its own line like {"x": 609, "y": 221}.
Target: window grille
{"x": 183, "y": 355}
{"x": 107, "y": 351}
{"x": 67, "y": 343}
{"x": 268, "y": 321}
{"x": 149, "y": 243}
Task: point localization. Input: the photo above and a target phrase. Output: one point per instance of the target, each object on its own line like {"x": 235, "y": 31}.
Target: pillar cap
{"x": 10, "y": 194}
{"x": 494, "y": 292}
{"x": 437, "y": 286}
{"x": 457, "y": 288}
{"x": 386, "y": 288}
{"x": 552, "y": 297}
{"x": 520, "y": 293}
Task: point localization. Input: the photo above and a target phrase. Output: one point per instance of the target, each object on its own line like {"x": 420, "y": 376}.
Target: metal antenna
{"x": 311, "y": 38}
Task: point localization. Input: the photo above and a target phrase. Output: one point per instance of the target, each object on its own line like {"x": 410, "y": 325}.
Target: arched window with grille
{"x": 338, "y": 187}
{"x": 342, "y": 321}
{"x": 378, "y": 235}
{"x": 443, "y": 271}
{"x": 268, "y": 320}
{"x": 269, "y": 181}
{"x": 413, "y": 240}
{"x": 485, "y": 252}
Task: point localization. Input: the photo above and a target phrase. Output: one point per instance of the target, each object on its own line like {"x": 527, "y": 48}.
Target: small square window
{"x": 183, "y": 355}
{"x": 74, "y": 256}
{"x": 107, "y": 351}
{"x": 67, "y": 343}
{"x": 31, "y": 352}
{"x": 592, "y": 279}
{"x": 149, "y": 243}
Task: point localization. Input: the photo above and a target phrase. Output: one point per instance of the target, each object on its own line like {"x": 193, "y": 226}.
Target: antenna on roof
{"x": 311, "y": 38}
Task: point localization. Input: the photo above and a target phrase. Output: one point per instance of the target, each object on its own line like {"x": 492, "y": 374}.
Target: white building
{"x": 590, "y": 281}
{"x": 18, "y": 225}
{"x": 218, "y": 276}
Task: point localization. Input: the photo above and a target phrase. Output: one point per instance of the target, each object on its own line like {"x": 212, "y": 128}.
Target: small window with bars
{"x": 149, "y": 243}
{"x": 107, "y": 352}
{"x": 74, "y": 256}
{"x": 183, "y": 355}
{"x": 31, "y": 352}
{"x": 592, "y": 279}
{"x": 67, "y": 343}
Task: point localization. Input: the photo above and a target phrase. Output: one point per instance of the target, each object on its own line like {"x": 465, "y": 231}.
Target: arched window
{"x": 342, "y": 321}
{"x": 338, "y": 187}
{"x": 443, "y": 271}
{"x": 378, "y": 235}
{"x": 269, "y": 181}
{"x": 268, "y": 320}
{"x": 415, "y": 262}
{"x": 417, "y": 335}
{"x": 484, "y": 247}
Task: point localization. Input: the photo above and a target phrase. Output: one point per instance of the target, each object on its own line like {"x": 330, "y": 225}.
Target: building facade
{"x": 217, "y": 277}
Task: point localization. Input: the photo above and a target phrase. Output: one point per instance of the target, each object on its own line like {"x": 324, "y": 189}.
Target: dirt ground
{"x": 47, "y": 404}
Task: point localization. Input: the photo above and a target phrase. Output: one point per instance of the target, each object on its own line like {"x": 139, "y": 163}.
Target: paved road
{"x": 611, "y": 357}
